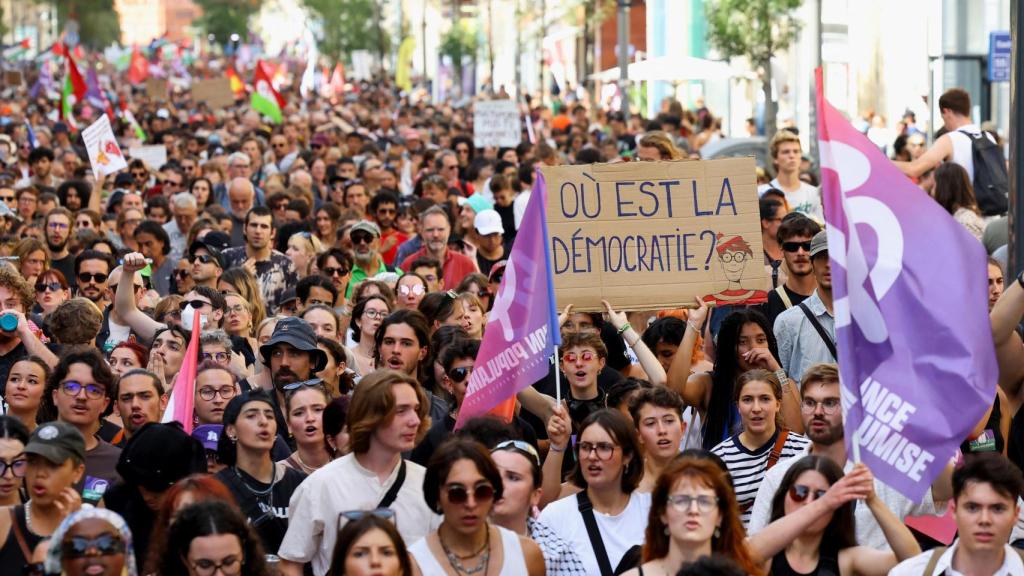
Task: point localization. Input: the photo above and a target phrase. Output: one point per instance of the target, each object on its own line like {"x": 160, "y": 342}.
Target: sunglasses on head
{"x": 102, "y": 545}
{"x": 520, "y": 446}
{"x": 297, "y": 385}
{"x": 356, "y": 515}
{"x": 799, "y": 493}
{"x": 795, "y": 246}
{"x": 459, "y": 494}
{"x": 51, "y": 286}
{"x": 460, "y": 374}
{"x": 85, "y": 278}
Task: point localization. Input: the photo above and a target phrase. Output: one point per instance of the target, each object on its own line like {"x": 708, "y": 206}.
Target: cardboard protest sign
{"x": 655, "y": 235}
{"x": 156, "y": 88}
{"x": 216, "y": 92}
{"x": 104, "y": 154}
{"x": 12, "y": 78}
{"x": 496, "y": 123}
{"x": 154, "y": 156}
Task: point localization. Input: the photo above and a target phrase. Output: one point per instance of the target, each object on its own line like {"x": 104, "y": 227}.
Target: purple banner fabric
{"x": 522, "y": 327}
{"x": 909, "y": 283}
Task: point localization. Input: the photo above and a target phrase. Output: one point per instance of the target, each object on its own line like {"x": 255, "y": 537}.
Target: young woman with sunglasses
{"x": 25, "y": 391}
{"x": 212, "y": 538}
{"x": 93, "y": 542}
{"x": 367, "y": 316}
{"x": 462, "y": 484}
{"x": 13, "y": 463}
{"x": 764, "y": 440}
{"x": 457, "y": 360}
{"x": 51, "y": 291}
{"x": 607, "y": 470}
{"x": 371, "y": 546}
{"x": 410, "y": 290}
{"x": 304, "y": 408}
{"x": 520, "y": 469}
{"x": 261, "y": 488}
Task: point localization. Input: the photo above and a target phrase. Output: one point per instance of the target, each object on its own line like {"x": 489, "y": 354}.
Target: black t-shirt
{"x": 66, "y": 265}
{"x": 264, "y": 505}
{"x": 486, "y": 264}
{"x": 508, "y": 221}
{"x": 775, "y": 306}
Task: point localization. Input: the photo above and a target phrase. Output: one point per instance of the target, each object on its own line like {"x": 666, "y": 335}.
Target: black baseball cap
{"x": 158, "y": 455}
{"x": 212, "y": 250}
{"x": 298, "y": 333}
{"x": 57, "y": 441}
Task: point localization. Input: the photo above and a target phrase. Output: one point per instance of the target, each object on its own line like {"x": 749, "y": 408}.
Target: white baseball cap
{"x": 488, "y": 222}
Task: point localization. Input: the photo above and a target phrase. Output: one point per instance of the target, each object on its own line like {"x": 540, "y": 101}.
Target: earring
{"x": 718, "y": 532}
{"x": 666, "y": 531}
{"x": 232, "y": 438}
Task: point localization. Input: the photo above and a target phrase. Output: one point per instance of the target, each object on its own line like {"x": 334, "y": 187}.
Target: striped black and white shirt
{"x": 748, "y": 466}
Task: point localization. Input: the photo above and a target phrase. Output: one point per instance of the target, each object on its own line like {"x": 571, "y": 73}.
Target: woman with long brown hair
{"x": 954, "y": 192}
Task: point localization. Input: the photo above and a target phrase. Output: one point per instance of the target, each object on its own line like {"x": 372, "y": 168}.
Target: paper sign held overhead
{"x": 156, "y": 88}
{"x": 12, "y": 78}
{"x": 216, "y": 92}
{"x": 655, "y": 235}
{"x": 496, "y": 123}
{"x": 154, "y": 156}
{"x": 104, "y": 154}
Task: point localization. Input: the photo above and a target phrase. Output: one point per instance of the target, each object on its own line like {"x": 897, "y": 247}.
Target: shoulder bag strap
{"x": 776, "y": 453}
{"x": 821, "y": 331}
{"x": 587, "y": 511}
{"x": 392, "y": 492}
{"x": 25, "y": 551}
{"x": 934, "y": 560}
{"x": 784, "y": 296}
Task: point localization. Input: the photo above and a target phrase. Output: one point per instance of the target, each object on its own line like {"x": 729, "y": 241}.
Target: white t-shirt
{"x": 869, "y": 533}
{"x": 619, "y": 533}
{"x": 344, "y": 485}
{"x": 1012, "y": 564}
{"x": 963, "y": 150}
{"x": 806, "y": 199}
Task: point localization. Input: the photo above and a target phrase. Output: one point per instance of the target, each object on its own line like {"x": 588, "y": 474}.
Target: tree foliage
{"x": 349, "y": 25}
{"x": 461, "y": 41}
{"x": 98, "y": 23}
{"x": 222, "y": 18}
{"x": 756, "y": 29}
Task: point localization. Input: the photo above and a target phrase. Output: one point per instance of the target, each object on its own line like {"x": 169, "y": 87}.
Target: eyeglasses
{"x": 375, "y": 314}
{"x": 196, "y": 304}
{"x": 85, "y": 278}
{"x": 203, "y": 258}
{"x": 220, "y": 357}
{"x": 140, "y": 175}
{"x": 571, "y": 357}
{"x": 297, "y": 385}
{"x": 829, "y": 406}
{"x": 362, "y": 238}
{"x": 603, "y": 450}
{"x": 332, "y": 271}
{"x": 459, "y": 494}
{"x": 73, "y": 388}
{"x": 460, "y": 374}
{"x": 102, "y": 545}
{"x": 237, "y": 309}
{"x": 406, "y": 290}
{"x": 228, "y": 566}
{"x": 386, "y": 211}
{"x": 796, "y": 246}
{"x": 209, "y": 392}
{"x": 733, "y": 257}
{"x": 800, "y": 493}
{"x": 51, "y": 286}
{"x": 17, "y": 467}
{"x": 683, "y": 502}
{"x": 518, "y": 445}
{"x": 280, "y": 206}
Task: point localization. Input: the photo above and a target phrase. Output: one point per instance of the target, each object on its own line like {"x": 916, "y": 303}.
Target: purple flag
{"x": 522, "y": 326}
{"x": 44, "y": 84}
{"x": 94, "y": 94}
{"x": 909, "y": 283}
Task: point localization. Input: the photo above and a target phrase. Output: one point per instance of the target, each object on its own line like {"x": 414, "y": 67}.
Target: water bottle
{"x": 8, "y": 322}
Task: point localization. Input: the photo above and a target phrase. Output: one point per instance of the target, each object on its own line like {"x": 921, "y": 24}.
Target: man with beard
{"x": 57, "y": 228}
{"x": 139, "y": 399}
{"x": 293, "y": 357}
{"x": 435, "y": 229}
{"x": 368, "y": 263}
{"x": 16, "y": 297}
{"x": 794, "y": 235}
{"x": 384, "y": 208}
{"x": 273, "y": 271}
{"x": 92, "y": 271}
{"x": 822, "y": 417}
{"x": 806, "y": 333}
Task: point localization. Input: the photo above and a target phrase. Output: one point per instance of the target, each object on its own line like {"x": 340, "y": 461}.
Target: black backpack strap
{"x": 587, "y": 511}
{"x": 392, "y": 492}
{"x": 821, "y": 330}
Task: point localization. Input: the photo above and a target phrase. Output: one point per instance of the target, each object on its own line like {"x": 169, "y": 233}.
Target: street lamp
{"x": 624, "y": 54}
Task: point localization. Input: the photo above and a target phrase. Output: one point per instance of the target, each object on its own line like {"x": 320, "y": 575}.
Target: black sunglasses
{"x": 331, "y": 271}
{"x": 794, "y": 246}
{"x": 362, "y": 238}
{"x": 104, "y": 545}
{"x": 51, "y": 286}
{"x": 85, "y": 277}
{"x": 459, "y": 494}
{"x": 460, "y": 374}
{"x": 799, "y": 493}
{"x": 203, "y": 258}
{"x": 196, "y": 304}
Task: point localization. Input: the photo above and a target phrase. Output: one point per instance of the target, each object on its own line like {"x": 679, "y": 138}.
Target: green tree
{"x": 349, "y": 25}
{"x": 222, "y": 18}
{"x": 98, "y": 23}
{"x": 756, "y": 29}
{"x": 459, "y": 42}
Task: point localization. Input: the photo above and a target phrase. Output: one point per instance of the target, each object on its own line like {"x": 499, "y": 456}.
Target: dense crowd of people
{"x": 339, "y": 269}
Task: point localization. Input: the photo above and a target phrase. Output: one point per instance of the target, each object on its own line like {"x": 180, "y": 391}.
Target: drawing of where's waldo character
{"x": 734, "y": 255}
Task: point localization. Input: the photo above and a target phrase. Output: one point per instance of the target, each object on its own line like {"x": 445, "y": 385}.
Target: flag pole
{"x": 558, "y": 379}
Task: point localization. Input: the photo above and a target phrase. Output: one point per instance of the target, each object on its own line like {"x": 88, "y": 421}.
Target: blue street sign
{"x": 999, "y": 49}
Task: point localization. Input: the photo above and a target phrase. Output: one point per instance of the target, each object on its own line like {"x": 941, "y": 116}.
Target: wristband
{"x": 554, "y": 448}
{"x": 625, "y": 327}
{"x": 781, "y": 375}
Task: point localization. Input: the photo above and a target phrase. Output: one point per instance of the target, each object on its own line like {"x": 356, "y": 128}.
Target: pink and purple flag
{"x": 183, "y": 395}
{"x": 522, "y": 327}
{"x": 909, "y": 284}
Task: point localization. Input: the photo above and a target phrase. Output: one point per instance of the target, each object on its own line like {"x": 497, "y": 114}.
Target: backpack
{"x": 991, "y": 181}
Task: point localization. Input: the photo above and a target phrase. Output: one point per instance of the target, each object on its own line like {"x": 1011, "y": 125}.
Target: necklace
{"x": 456, "y": 560}
{"x": 305, "y": 467}
{"x": 253, "y": 491}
